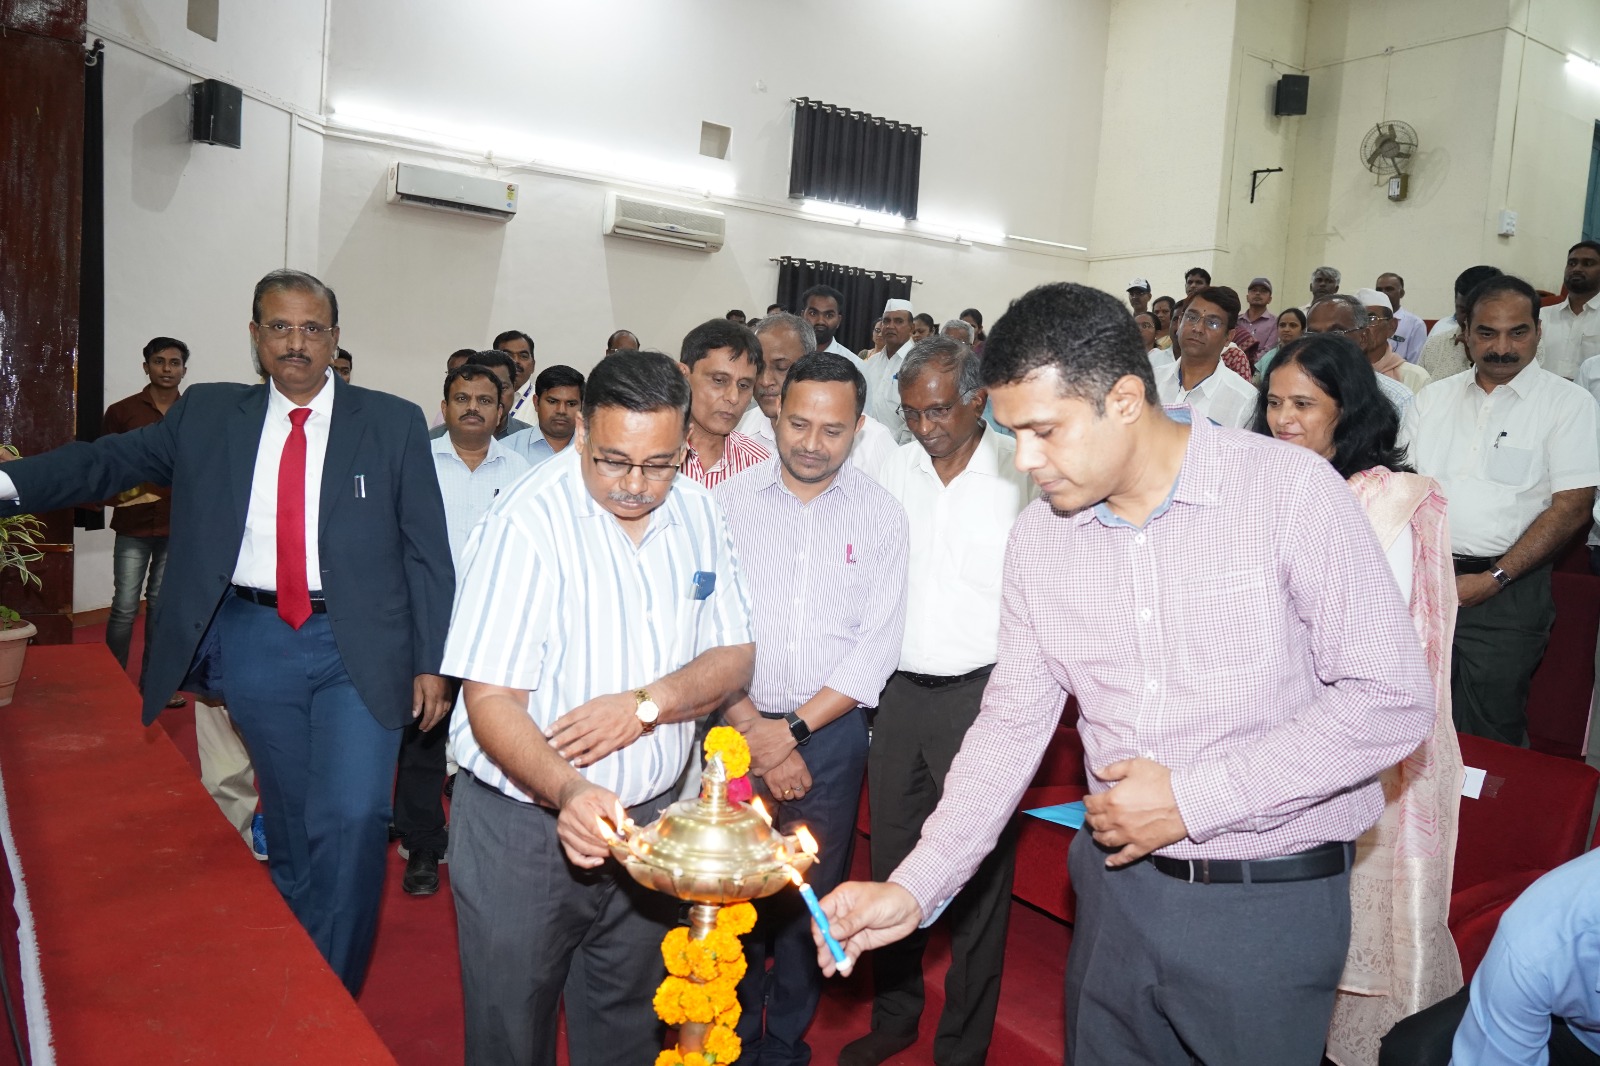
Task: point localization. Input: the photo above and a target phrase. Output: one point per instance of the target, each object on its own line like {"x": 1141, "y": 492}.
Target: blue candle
{"x": 840, "y": 959}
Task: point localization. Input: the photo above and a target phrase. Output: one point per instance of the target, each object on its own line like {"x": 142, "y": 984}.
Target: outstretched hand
{"x": 863, "y": 915}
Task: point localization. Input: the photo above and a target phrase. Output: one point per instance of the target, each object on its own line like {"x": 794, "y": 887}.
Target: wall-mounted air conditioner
{"x": 444, "y": 190}
{"x": 649, "y": 220}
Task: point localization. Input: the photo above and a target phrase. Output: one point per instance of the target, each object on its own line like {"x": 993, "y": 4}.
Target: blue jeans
{"x": 778, "y": 1004}
{"x": 137, "y": 566}
{"x": 324, "y": 766}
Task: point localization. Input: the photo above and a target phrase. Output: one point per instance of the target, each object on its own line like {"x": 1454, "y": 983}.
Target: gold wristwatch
{"x": 646, "y": 711}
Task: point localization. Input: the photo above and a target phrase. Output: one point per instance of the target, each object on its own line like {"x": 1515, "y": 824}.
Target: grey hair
{"x": 293, "y": 281}
{"x": 965, "y": 327}
{"x": 1327, "y": 272}
{"x": 795, "y": 324}
{"x": 944, "y": 353}
{"x": 1361, "y": 315}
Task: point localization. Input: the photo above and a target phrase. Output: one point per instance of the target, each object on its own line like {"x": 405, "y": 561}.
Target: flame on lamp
{"x": 794, "y": 875}
{"x": 808, "y": 843}
{"x": 605, "y": 828}
{"x": 761, "y": 809}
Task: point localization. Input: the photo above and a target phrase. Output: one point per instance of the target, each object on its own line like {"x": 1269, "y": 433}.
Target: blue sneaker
{"x": 258, "y": 836}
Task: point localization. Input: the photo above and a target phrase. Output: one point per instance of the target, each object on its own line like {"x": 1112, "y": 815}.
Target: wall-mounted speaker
{"x": 218, "y": 109}
{"x": 1290, "y": 98}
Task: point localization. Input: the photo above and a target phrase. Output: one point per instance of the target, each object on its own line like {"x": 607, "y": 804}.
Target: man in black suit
{"x": 319, "y": 614}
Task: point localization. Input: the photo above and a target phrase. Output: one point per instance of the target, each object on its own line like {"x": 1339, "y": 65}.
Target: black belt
{"x": 1326, "y": 860}
{"x": 1475, "y": 564}
{"x": 935, "y": 681}
{"x": 270, "y": 599}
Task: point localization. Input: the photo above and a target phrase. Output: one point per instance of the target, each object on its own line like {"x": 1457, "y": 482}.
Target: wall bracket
{"x": 1258, "y": 176}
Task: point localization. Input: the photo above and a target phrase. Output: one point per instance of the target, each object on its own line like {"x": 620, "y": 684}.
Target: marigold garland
{"x": 730, "y": 744}
{"x": 702, "y": 986}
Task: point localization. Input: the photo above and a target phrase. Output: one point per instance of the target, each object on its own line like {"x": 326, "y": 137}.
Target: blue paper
{"x": 1071, "y": 815}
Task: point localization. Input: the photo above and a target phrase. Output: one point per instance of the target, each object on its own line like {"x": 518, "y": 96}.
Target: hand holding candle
{"x": 841, "y": 961}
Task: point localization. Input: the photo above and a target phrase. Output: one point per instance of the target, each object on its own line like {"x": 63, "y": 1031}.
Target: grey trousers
{"x": 533, "y": 928}
{"x": 1165, "y": 973}
{"x": 1498, "y": 645}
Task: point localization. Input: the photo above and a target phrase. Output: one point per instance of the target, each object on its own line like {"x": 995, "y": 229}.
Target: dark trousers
{"x": 778, "y": 1003}
{"x": 532, "y": 927}
{"x": 323, "y": 766}
{"x": 915, "y": 738}
{"x": 419, "y": 787}
{"x": 1166, "y": 973}
{"x": 1425, "y": 1038}
{"x": 1498, "y": 645}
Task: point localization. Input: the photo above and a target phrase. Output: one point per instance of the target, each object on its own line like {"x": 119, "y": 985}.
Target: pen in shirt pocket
{"x": 1500, "y": 438}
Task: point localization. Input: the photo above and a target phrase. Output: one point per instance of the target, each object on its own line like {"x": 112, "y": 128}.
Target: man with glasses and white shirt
{"x": 1347, "y": 316}
{"x": 1198, "y": 377}
{"x": 601, "y": 610}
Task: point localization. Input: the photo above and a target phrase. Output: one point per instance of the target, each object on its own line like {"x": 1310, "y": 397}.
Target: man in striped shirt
{"x": 826, "y": 549}
{"x": 722, "y": 360}
{"x": 601, "y": 609}
{"x": 1234, "y": 719}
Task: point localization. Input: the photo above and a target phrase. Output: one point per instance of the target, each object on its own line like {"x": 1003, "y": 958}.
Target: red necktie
{"x": 294, "y": 598}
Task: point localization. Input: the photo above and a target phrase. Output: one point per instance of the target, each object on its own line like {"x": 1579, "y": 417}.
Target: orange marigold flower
{"x": 737, "y": 918}
{"x": 696, "y": 1004}
{"x": 723, "y": 1044}
{"x": 669, "y": 1001}
{"x": 675, "y": 952}
{"x": 669, "y": 1058}
{"x": 694, "y": 1058}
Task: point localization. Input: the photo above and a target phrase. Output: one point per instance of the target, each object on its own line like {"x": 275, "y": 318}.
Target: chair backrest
{"x": 1537, "y": 818}
{"x": 1559, "y": 696}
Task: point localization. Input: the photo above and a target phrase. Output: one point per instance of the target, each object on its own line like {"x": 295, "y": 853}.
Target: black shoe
{"x": 422, "y": 874}
{"x": 874, "y": 1048}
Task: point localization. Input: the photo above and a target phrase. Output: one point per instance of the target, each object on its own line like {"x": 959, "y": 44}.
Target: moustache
{"x": 470, "y": 418}
{"x": 1496, "y": 357}
{"x": 628, "y": 499}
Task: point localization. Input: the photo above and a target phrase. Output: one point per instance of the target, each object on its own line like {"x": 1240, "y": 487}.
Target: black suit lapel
{"x": 243, "y": 442}
{"x": 345, "y": 431}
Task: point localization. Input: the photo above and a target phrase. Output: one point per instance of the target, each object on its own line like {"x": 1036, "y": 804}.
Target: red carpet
{"x": 159, "y": 938}
{"x": 413, "y": 991}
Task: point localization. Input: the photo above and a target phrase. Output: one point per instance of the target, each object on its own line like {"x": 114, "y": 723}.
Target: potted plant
{"x": 19, "y": 539}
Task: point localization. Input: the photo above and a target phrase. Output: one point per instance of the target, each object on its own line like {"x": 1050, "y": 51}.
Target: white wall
{"x": 190, "y": 227}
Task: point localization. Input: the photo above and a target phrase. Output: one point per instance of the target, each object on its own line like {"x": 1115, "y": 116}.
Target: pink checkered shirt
{"x": 739, "y": 453}
{"x": 1275, "y": 686}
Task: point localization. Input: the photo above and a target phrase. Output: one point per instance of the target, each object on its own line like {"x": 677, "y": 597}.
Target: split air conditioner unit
{"x": 443, "y": 190}
{"x": 648, "y": 220}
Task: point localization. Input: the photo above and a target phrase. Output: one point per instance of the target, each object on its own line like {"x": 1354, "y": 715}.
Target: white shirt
{"x": 1568, "y": 339}
{"x": 1224, "y": 397}
{"x": 838, "y": 349}
{"x": 882, "y": 372}
{"x": 467, "y": 492}
{"x": 1410, "y": 334}
{"x": 873, "y": 446}
{"x": 257, "y": 567}
{"x": 555, "y": 599}
{"x": 1413, "y": 377}
{"x": 1447, "y": 322}
{"x": 1500, "y": 456}
{"x": 1160, "y": 357}
{"x": 958, "y": 546}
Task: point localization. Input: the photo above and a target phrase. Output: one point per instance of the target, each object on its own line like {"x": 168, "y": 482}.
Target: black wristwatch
{"x": 1500, "y": 576}
{"x": 798, "y": 728}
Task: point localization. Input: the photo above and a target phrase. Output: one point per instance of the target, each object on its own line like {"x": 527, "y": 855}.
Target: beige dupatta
{"x": 1401, "y": 956}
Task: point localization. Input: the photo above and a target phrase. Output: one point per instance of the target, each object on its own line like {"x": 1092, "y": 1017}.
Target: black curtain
{"x": 865, "y": 292}
{"x": 91, "y": 378}
{"x": 850, "y": 157}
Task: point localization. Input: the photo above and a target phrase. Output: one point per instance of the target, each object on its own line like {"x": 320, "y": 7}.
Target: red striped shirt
{"x": 739, "y": 453}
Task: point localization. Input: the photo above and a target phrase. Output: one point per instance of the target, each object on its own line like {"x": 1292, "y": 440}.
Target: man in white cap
{"x": 1139, "y": 295}
{"x": 883, "y": 371}
{"x": 1374, "y": 342}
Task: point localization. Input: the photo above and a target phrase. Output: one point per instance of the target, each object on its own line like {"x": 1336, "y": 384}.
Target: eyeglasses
{"x": 1338, "y": 332}
{"x": 932, "y": 414}
{"x": 616, "y": 468}
{"x": 1211, "y": 322}
{"x": 283, "y": 331}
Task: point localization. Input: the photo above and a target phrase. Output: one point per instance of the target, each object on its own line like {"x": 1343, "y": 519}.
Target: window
{"x": 850, "y": 157}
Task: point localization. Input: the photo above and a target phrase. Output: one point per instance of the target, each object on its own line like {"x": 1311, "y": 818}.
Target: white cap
{"x": 1142, "y": 284}
{"x": 897, "y": 305}
{"x": 1373, "y": 298}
